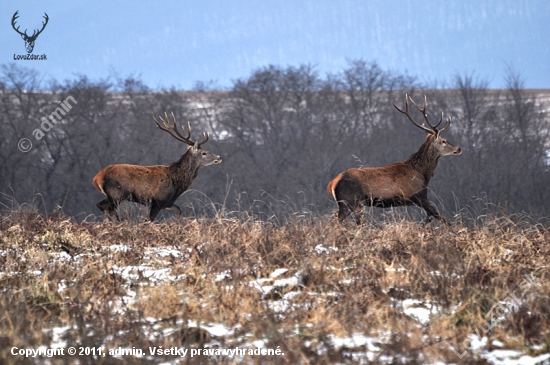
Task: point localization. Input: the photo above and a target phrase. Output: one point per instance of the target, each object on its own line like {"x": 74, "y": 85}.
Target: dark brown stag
{"x": 155, "y": 186}
{"x": 398, "y": 184}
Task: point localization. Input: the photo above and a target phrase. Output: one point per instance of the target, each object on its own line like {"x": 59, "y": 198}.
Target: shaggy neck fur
{"x": 425, "y": 159}
{"x": 186, "y": 170}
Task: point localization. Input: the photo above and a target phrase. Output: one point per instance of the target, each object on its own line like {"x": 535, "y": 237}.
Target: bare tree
{"x": 291, "y": 128}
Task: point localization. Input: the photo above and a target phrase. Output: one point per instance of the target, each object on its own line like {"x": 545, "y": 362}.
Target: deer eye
{"x": 204, "y": 153}
{"x": 443, "y": 142}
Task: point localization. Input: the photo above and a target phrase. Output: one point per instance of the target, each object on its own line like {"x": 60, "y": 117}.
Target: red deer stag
{"x": 398, "y": 184}
{"x": 155, "y": 186}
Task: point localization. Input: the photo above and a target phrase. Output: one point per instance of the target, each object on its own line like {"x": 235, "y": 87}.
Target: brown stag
{"x": 157, "y": 187}
{"x": 399, "y": 184}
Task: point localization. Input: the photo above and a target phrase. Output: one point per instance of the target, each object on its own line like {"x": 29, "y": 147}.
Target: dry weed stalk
{"x": 140, "y": 285}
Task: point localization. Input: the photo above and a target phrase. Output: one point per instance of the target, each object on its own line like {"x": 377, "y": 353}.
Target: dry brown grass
{"x": 94, "y": 285}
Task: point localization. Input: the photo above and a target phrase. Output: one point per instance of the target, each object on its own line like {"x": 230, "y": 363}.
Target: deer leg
{"x": 431, "y": 211}
{"x": 358, "y": 213}
{"x": 176, "y": 208}
{"x": 343, "y": 210}
{"x": 155, "y": 209}
{"x": 109, "y": 207}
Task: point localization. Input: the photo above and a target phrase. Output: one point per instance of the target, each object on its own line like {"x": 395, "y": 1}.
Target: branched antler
{"x": 433, "y": 128}
{"x": 173, "y": 130}
{"x": 29, "y": 40}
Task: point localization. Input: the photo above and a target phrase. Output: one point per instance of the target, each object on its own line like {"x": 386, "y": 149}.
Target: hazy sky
{"x": 176, "y": 43}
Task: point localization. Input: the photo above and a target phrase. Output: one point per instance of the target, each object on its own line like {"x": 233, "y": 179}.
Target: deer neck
{"x": 425, "y": 160}
{"x": 185, "y": 170}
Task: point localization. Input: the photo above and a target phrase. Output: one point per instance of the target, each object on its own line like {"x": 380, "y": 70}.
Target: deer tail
{"x": 331, "y": 187}
{"x": 98, "y": 182}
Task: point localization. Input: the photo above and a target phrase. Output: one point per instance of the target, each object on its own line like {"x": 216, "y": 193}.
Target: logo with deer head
{"x": 29, "y": 39}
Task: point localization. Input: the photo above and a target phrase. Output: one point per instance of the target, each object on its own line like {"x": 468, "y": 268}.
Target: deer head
{"x": 29, "y": 40}
{"x": 203, "y": 157}
{"x": 441, "y": 145}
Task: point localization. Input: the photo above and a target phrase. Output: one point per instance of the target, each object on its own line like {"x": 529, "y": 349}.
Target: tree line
{"x": 283, "y": 134}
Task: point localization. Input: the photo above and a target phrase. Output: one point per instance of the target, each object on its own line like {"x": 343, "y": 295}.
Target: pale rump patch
{"x": 331, "y": 187}
{"x": 98, "y": 181}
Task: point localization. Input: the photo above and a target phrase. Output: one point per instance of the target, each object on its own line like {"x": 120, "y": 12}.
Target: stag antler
{"x": 433, "y": 128}
{"x": 29, "y": 40}
{"x": 34, "y": 34}
{"x": 13, "y": 19}
{"x": 173, "y": 130}
{"x": 43, "y": 26}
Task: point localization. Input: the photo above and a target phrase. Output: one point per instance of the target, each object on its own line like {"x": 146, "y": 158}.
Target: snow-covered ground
{"x": 363, "y": 348}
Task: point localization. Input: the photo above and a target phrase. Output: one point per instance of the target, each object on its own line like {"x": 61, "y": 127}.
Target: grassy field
{"x": 302, "y": 292}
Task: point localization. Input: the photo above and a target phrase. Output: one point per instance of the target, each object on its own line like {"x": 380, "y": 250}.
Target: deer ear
{"x": 196, "y": 145}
